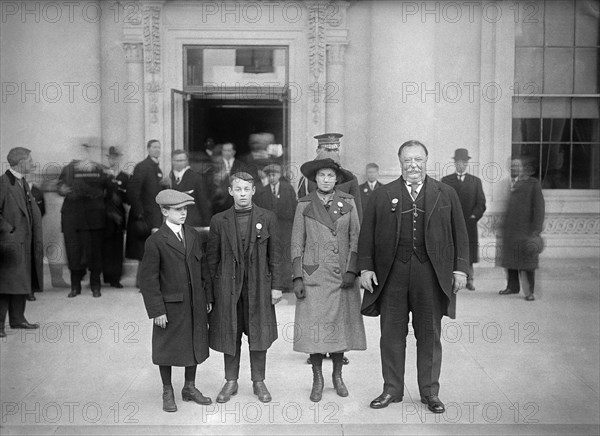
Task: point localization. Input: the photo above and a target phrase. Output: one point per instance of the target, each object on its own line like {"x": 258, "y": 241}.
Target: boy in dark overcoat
{"x": 177, "y": 297}
{"x": 244, "y": 258}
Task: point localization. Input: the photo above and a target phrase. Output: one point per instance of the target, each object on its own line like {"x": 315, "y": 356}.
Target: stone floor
{"x": 510, "y": 367}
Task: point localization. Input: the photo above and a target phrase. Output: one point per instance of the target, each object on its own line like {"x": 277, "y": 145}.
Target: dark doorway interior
{"x": 233, "y": 121}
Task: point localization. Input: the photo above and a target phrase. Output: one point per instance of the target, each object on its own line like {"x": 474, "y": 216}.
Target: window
{"x": 556, "y": 105}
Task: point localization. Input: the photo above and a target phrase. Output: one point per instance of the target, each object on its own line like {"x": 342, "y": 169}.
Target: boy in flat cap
{"x": 279, "y": 197}
{"x": 244, "y": 258}
{"x": 177, "y": 294}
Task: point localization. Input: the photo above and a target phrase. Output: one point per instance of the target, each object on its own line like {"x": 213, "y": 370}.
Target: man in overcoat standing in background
{"x": 472, "y": 199}
{"x": 144, "y": 216}
{"x": 417, "y": 268}
{"x": 523, "y": 223}
{"x": 21, "y": 245}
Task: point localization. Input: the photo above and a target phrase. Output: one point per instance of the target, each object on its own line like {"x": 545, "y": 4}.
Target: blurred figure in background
{"x": 225, "y": 165}
{"x": 184, "y": 179}
{"x": 279, "y": 197}
{"x": 144, "y": 216}
{"x": 83, "y": 183}
{"x": 472, "y": 199}
{"x": 523, "y": 223}
{"x": 367, "y": 188}
{"x": 21, "y": 244}
{"x": 116, "y": 197}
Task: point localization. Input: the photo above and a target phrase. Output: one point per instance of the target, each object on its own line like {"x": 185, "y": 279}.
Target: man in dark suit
{"x": 418, "y": 268}
{"x": 184, "y": 179}
{"x": 225, "y": 165}
{"x": 329, "y": 147}
{"x": 83, "y": 183}
{"x": 116, "y": 197}
{"x": 523, "y": 223}
{"x": 279, "y": 197}
{"x": 367, "y": 188}
{"x": 472, "y": 199}
{"x": 144, "y": 216}
{"x": 21, "y": 245}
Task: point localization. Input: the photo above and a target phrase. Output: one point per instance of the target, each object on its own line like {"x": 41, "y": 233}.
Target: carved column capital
{"x": 133, "y": 52}
{"x": 336, "y": 54}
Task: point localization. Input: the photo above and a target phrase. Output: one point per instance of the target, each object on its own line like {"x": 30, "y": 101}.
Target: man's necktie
{"x": 413, "y": 190}
{"x": 27, "y": 196}
{"x": 177, "y": 180}
{"x": 461, "y": 177}
{"x": 180, "y": 237}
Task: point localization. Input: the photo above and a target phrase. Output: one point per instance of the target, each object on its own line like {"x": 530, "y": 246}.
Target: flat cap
{"x": 272, "y": 168}
{"x": 173, "y": 198}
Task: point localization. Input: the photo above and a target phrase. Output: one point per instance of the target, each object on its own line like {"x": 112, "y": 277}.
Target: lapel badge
{"x": 159, "y": 175}
{"x": 394, "y": 204}
{"x": 258, "y": 229}
{"x": 340, "y": 205}
{"x": 366, "y": 189}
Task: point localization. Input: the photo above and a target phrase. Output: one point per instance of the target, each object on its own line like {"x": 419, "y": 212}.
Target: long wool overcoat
{"x": 324, "y": 248}
{"x": 21, "y": 245}
{"x": 174, "y": 282}
{"x": 523, "y": 222}
{"x": 263, "y": 268}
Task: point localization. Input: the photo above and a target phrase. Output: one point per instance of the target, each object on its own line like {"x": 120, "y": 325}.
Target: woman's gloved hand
{"x": 299, "y": 288}
{"x": 348, "y": 281}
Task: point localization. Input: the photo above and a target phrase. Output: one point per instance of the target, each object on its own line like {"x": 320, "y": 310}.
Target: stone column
{"x": 134, "y": 150}
{"x": 334, "y": 88}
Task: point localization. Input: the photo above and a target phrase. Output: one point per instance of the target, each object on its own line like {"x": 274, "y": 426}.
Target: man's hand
{"x": 299, "y": 288}
{"x": 208, "y": 307}
{"x": 161, "y": 321}
{"x": 276, "y": 295}
{"x": 459, "y": 282}
{"x": 366, "y": 277}
{"x": 348, "y": 281}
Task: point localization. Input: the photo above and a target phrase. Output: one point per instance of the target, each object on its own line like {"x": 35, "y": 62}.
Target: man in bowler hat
{"x": 418, "y": 267}
{"x": 472, "y": 199}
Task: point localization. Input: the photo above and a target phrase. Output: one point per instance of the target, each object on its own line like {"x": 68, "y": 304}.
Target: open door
{"x": 179, "y": 120}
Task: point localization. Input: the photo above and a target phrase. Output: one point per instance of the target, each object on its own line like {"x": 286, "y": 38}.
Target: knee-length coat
{"x": 175, "y": 282}
{"x": 226, "y": 262}
{"x": 324, "y": 248}
{"x": 21, "y": 245}
{"x": 523, "y": 222}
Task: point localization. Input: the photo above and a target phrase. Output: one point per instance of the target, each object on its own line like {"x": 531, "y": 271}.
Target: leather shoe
{"x": 507, "y": 291}
{"x": 190, "y": 393}
{"x": 117, "y": 285}
{"x": 31, "y": 297}
{"x": 73, "y": 293}
{"x": 530, "y": 297}
{"x": 229, "y": 388}
{"x": 96, "y": 294}
{"x": 25, "y": 325}
{"x": 384, "y": 400}
{"x": 433, "y": 404}
{"x": 2, "y": 333}
{"x": 260, "y": 389}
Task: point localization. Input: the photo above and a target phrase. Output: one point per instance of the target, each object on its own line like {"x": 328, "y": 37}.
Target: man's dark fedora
{"x": 309, "y": 170}
{"x": 461, "y": 154}
{"x": 114, "y": 151}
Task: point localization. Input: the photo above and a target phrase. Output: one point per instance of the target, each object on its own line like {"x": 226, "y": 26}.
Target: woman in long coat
{"x": 323, "y": 252}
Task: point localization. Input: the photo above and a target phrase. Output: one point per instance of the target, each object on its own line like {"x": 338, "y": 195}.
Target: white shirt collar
{"x": 419, "y": 186}
{"x": 372, "y": 184}
{"x": 180, "y": 173}
{"x": 176, "y": 228}
{"x": 464, "y": 173}
{"x": 155, "y": 160}
{"x": 17, "y": 174}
